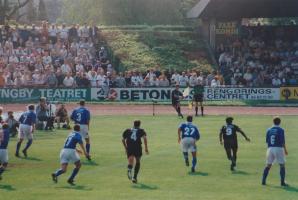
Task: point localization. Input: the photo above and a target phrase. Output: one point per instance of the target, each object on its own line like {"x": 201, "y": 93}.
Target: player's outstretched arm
{"x": 179, "y": 135}
{"x": 124, "y": 144}
{"x": 146, "y": 144}
{"x": 286, "y": 150}
{"x": 243, "y": 134}
{"x": 220, "y": 137}
{"x": 84, "y": 150}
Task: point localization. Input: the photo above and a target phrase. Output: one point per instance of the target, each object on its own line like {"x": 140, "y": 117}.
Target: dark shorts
{"x": 198, "y": 97}
{"x": 230, "y": 144}
{"x": 175, "y": 103}
{"x": 136, "y": 152}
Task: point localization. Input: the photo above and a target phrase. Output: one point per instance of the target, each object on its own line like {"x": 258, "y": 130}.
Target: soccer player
{"x": 26, "y": 130}
{"x": 198, "y": 97}
{"x": 81, "y": 116}
{"x": 190, "y": 135}
{"x": 133, "y": 147}
{"x": 69, "y": 154}
{"x": 176, "y": 97}
{"x": 4, "y": 139}
{"x": 277, "y": 150}
{"x": 228, "y": 133}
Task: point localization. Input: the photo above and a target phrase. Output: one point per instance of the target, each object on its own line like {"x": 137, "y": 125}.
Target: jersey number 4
{"x": 134, "y": 135}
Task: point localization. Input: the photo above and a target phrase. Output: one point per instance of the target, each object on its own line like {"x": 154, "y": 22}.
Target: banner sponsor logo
{"x": 289, "y": 93}
{"x": 28, "y": 95}
{"x": 242, "y": 93}
{"x": 164, "y": 94}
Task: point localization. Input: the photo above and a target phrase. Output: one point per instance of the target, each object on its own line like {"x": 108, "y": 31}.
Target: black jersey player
{"x": 176, "y": 97}
{"x": 132, "y": 141}
{"x": 228, "y": 138}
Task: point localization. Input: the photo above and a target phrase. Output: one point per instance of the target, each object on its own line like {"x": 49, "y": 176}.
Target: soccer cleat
{"x": 284, "y": 184}
{"x": 54, "y": 178}
{"x": 88, "y": 157}
{"x": 71, "y": 182}
{"x": 129, "y": 175}
{"x": 187, "y": 163}
{"x": 134, "y": 180}
{"x": 17, "y": 154}
{"x": 263, "y": 183}
{"x": 25, "y": 153}
{"x": 193, "y": 170}
{"x": 232, "y": 167}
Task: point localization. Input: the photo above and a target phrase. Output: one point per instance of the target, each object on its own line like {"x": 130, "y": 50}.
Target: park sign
{"x": 19, "y": 95}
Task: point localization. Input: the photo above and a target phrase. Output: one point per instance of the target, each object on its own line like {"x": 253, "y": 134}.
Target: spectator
{"x": 68, "y": 81}
{"x": 215, "y": 82}
{"x": 61, "y": 115}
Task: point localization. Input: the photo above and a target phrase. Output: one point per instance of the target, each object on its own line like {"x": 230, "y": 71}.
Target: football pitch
{"x": 163, "y": 174}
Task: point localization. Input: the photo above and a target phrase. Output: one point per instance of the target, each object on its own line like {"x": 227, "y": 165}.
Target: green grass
{"x": 163, "y": 174}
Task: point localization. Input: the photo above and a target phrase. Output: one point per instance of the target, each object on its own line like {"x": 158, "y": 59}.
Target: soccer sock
{"x": 179, "y": 110}
{"x": 194, "y": 162}
{"x": 137, "y": 169}
{"x": 197, "y": 110}
{"x": 265, "y": 174}
{"x": 1, "y": 170}
{"x": 202, "y": 110}
{"x": 18, "y": 147}
{"x": 74, "y": 173}
{"x": 59, "y": 172}
{"x": 129, "y": 167}
{"x": 88, "y": 148}
{"x": 185, "y": 155}
{"x": 28, "y": 144}
{"x": 282, "y": 174}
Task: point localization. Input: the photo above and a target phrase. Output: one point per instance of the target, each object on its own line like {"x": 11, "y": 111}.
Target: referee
{"x": 176, "y": 97}
{"x": 198, "y": 97}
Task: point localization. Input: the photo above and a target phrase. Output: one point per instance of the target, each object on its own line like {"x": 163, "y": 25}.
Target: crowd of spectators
{"x": 54, "y": 56}
{"x": 260, "y": 56}
{"x": 60, "y": 56}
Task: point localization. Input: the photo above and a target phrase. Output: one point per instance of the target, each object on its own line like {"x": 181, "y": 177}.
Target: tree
{"x": 42, "y": 11}
{"x": 31, "y": 12}
{"x": 8, "y": 8}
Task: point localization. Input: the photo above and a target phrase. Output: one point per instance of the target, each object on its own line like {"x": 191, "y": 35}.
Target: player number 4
{"x": 134, "y": 135}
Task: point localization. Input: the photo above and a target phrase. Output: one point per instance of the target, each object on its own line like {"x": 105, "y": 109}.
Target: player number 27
{"x": 189, "y": 131}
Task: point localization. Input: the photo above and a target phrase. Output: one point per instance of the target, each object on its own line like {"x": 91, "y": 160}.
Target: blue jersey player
{"x": 276, "y": 151}
{"x": 81, "y": 116}
{"x": 4, "y": 139}
{"x": 27, "y": 127}
{"x": 69, "y": 154}
{"x": 188, "y": 135}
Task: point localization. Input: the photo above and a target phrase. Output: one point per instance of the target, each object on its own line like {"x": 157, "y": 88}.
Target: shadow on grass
{"x": 76, "y": 187}
{"x": 198, "y": 174}
{"x": 31, "y": 159}
{"x": 239, "y": 172}
{"x": 144, "y": 186}
{"x": 90, "y": 163}
{"x": 7, "y": 187}
{"x": 288, "y": 189}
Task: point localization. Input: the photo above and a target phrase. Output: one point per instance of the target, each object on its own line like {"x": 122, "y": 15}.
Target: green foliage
{"x": 142, "y": 49}
{"x": 42, "y": 11}
{"x": 163, "y": 175}
{"x": 123, "y": 12}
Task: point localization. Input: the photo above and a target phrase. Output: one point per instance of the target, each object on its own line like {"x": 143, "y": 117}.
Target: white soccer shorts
{"x": 69, "y": 156}
{"x": 3, "y": 156}
{"x": 84, "y": 132}
{"x": 275, "y": 154}
{"x": 188, "y": 144}
{"x": 25, "y": 131}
